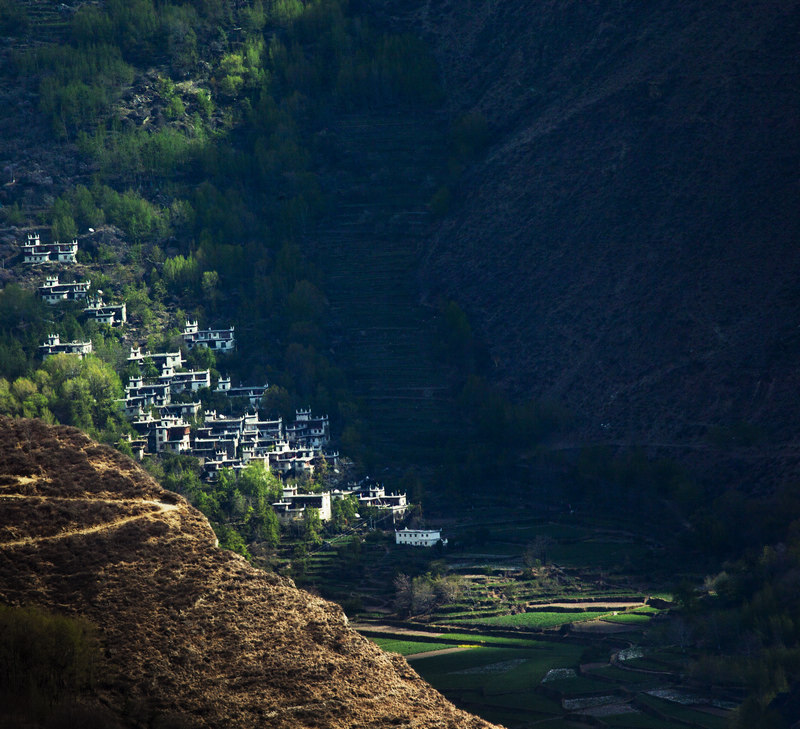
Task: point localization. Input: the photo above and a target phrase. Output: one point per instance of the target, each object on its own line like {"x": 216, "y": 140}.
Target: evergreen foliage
{"x": 44, "y": 658}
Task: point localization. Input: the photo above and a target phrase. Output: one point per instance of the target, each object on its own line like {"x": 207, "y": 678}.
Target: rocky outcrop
{"x": 186, "y": 628}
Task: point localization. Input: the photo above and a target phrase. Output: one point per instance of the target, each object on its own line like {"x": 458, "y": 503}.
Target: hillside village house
{"x": 293, "y": 504}
{"x": 371, "y": 494}
{"x": 54, "y": 345}
{"x": 419, "y": 537}
{"x": 192, "y": 380}
{"x": 186, "y": 410}
{"x": 253, "y": 393}
{"x": 54, "y": 292}
{"x": 111, "y": 314}
{"x": 168, "y": 433}
{"x": 220, "y": 340}
{"x": 307, "y": 430}
{"x": 36, "y": 252}
{"x": 160, "y": 359}
{"x": 141, "y": 394}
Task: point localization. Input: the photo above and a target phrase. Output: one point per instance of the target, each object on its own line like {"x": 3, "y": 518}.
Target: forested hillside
{"x": 196, "y": 152}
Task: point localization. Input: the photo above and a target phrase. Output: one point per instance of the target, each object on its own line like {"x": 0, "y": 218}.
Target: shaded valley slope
{"x": 627, "y": 244}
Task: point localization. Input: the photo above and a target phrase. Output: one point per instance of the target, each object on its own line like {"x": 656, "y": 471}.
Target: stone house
{"x": 35, "y": 252}
{"x": 54, "y": 292}
{"x": 111, "y": 314}
{"x": 220, "y": 340}
{"x": 253, "y": 393}
{"x": 293, "y": 504}
{"x": 54, "y": 345}
{"x": 160, "y": 359}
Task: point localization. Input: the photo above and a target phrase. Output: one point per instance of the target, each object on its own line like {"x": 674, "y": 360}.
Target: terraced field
{"x": 522, "y": 682}
{"x": 369, "y": 248}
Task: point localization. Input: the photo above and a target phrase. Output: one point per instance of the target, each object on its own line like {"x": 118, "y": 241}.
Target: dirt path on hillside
{"x": 440, "y": 652}
{"x": 375, "y": 628}
{"x": 588, "y": 605}
{"x": 161, "y": 508}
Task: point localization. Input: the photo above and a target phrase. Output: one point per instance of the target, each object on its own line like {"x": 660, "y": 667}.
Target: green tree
{"x": 268, "y": 527}
{"x": 312, "y": 525}
{"x": 344, "y": 511}
{"x": 44, "y": 657}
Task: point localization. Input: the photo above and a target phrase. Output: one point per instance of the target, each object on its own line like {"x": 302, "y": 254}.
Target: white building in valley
{"x": 419, "y": 537}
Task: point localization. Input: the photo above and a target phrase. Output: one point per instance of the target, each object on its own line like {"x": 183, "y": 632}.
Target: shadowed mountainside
{"x": 628, "y": 243}
{"x": 186, "y": 628}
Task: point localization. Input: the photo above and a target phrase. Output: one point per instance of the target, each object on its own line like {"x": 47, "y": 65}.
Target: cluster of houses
{"x": 160, "y": 403}
{"x": 234, "y": 441}
{"x": 220, "y": 441}
{"x": 54, "y": 291}
{"x": 294, "y": 503}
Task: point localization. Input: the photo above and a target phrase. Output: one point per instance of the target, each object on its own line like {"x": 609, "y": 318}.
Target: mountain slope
{"x": 186, "y": 628}
{"x": 628, "y": 244}
{"x": 369, "y": 249}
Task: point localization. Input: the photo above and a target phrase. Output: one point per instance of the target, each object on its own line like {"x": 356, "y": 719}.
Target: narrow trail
{"x": 160, "y": 508}
{"x": 440, "y": 652}
{"x": 380, "y": 628}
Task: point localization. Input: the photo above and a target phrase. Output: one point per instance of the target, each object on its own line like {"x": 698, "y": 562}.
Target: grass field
{"x": 629, "y": 618}
{"x": 514, "y": 709}
{"x": 491, "y": 640}
{"x": 496, "y": 670}
{"x": 535, "y": 620}
{"x": 577, "y": 685}
{"x": 640, "y": 721}
{"x": 658, "y": 662}
{"x": 672, "y": 710}
{"x": 622, "y": 676}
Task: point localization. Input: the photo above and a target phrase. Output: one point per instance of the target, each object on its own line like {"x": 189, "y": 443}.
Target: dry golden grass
{"x": 185, "y": 627}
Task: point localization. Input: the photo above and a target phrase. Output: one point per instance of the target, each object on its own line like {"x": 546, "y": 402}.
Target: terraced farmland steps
{"x": 369, "y": 247}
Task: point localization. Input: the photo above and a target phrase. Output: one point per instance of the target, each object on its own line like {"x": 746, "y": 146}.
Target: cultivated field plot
{"x": 499, "y": 683}
{"x": 521, "y": 681}
{"x": 538, "y": 620}
{"x": 674, "y": 711}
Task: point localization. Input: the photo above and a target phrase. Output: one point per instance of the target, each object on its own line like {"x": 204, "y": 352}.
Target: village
{"x": 165, "y": 411}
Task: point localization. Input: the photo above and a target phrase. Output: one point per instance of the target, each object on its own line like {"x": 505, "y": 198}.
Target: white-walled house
{"x": 160, "y": 359}
{"x": 54, "y": 345}
{"x": 419, "y": 537}
{"x": 293, "y": 504}
{"x": 111, "y": 314}
{"x": 53, "y": 291}
{"x": 192, "y": 380}
{"x": 36, "y": 252}
{"x": 253, "y": 393}
{"x": 220, "y": 340}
